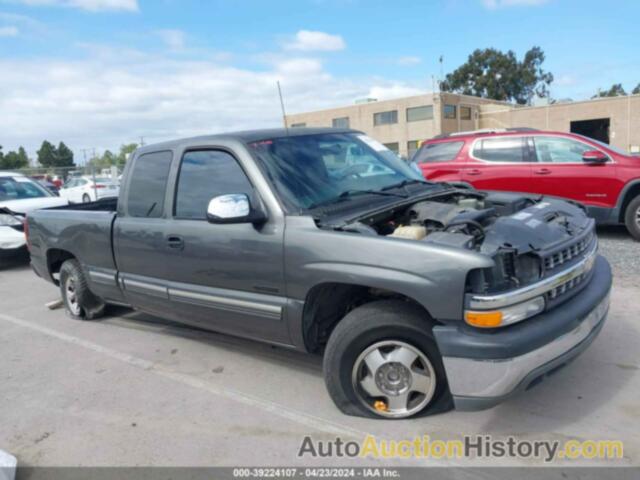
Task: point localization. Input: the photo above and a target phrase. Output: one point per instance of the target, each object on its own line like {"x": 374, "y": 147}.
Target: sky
{"x": 101, "y": 73}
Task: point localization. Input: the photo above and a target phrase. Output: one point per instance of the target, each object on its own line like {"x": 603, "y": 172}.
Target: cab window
{"x": 204, "y": 175}
{"x": 148, "y": 184}
{"x": 438, "y": 152}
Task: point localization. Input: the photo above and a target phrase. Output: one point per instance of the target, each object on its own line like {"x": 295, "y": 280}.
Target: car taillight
{"x": 101, "y": 186}
{"x": 26, "y": 232}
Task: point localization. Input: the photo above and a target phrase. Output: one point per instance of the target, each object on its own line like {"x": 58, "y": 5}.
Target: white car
{"x": 84, "y": 190}
{"x": 20, "y": 195}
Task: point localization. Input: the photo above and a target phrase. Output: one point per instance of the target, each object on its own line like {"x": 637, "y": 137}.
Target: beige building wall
{"x": 361, "y": 117}
{"x": 623, "y": 112}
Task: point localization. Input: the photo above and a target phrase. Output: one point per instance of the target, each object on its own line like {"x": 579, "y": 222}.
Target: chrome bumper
{"x": 481, "y": 383}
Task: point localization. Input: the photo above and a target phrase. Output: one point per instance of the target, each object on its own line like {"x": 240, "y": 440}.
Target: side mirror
{"x": 594, "y": 156}
{"x": 234, "y": 208}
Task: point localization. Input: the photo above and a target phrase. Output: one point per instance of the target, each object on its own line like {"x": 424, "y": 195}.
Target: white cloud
{"x": 409, "y": 61}
{"x": 174, "y": 39}
{"x": 89, "y": 5}
{"x": 307, "y": 41}
{"x": 9, "y": 31}
{"x": 495, "y": 4}
{"x": 116, "y": 95}
{"x": 564, "y": 81}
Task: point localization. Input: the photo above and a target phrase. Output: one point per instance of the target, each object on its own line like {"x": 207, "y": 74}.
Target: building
{"x": 403, "y": 122}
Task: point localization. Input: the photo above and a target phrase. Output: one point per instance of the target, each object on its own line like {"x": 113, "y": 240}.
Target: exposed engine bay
{"x": 519, "y": 231}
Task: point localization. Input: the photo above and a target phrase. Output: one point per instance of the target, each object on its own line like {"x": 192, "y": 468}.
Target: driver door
{"x": 223, "y": 277}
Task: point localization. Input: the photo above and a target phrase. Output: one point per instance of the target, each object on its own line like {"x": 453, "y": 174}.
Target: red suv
{"x": 604, "y": 179}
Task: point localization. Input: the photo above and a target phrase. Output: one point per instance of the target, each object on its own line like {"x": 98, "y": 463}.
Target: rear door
{"x": 224, "y": 277}
{"x": 438, "y": 161}
{"x": 560, "y": 171}
{"x": 499, "y": 163}
{"x": 139, "y": 240}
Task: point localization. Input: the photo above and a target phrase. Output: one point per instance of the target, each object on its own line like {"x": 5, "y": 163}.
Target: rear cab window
{"x": 148, "y": 185}
{"x": 438, "y": 152}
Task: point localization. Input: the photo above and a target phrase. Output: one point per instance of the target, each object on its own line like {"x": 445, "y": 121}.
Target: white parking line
{"x": 302, "y": 418}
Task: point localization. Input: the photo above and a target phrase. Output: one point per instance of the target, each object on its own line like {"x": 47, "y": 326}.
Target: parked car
{"x": 51, "y": 187}
{"x": 20, "y": 195}
{"x": 601, "y": 177}
{"x": 84, "y": 189}
{"x": 420, "y": 295}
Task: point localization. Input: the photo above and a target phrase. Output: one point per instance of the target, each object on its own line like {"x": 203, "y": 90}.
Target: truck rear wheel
{"x": 632, "y": 218}
{"x": 79, "y": 302}
{"x": 381, "y": 361}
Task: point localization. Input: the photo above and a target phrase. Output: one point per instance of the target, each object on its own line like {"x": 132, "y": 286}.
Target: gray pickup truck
{"x": 421, "y": 296}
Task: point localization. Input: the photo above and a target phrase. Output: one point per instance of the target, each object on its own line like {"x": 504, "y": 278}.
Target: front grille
{"x": 566, "y": 287}
{"x": 563, "y": 256}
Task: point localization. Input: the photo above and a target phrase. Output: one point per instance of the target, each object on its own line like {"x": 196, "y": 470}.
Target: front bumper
{"x": 485, "y": 368}
{"x": 11, "y": 239}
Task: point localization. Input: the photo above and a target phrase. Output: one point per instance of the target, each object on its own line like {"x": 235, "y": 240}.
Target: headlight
{"x": 506, "y": 315}
{"x": 7, "y": 220}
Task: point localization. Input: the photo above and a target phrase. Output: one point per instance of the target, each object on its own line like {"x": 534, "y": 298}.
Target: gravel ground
{"x": 622, "y": 251}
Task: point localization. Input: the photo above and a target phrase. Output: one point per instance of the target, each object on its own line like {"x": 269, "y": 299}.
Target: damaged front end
{"x": 530, "y": 238}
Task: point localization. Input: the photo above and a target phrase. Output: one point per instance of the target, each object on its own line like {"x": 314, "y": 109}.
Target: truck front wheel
{"x": 632, "y": 218}
{"x": 381, "y": 361}
{"x": 79, "y": 302}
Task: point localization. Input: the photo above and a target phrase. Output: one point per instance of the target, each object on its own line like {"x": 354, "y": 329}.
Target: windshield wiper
{"x": 351, "y": 193}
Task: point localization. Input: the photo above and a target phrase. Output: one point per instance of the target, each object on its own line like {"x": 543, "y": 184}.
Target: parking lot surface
{"x": 135, "y": 390}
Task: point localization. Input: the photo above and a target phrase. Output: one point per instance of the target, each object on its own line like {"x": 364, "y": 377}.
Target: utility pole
{"x": 284, "y": 113}
{"x": 141, "y": 141}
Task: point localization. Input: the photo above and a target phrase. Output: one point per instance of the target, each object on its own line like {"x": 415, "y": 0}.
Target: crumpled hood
{"x": 538, "y": 227}
{"x": 28, "y": 205}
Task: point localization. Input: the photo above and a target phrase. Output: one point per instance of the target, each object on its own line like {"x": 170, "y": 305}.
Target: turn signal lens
{"x": 505, "y": 316}
{"x": 483, "y": 319}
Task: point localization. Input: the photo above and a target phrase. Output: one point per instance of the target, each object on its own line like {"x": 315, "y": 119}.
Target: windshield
{"x": 313, "y": 170}
{"x": 20, "y": 188}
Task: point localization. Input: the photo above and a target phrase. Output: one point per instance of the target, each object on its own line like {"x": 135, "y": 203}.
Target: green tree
{"x": 47, "y": 155}
{"x": 616, "y": 90}
{"x": 14, "y": 160}
{"x": 490, "y": 73}
{"x": 636, "y": 90}
{"x": 64, "y": 156}
{"x": 125, "y": 153}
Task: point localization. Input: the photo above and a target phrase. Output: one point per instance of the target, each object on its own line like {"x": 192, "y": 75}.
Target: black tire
{"x": 394, "y": 320}
{"x": 81, "y": 304}
{"x": 632, "y": 218}
{"x": 86, "y": 198}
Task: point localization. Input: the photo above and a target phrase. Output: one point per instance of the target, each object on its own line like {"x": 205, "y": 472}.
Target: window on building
{"x": 450, "y": 111}
{"x": 438, "y": 152}
{"x": 148, "y": 185}
{"x": 342, "y": 122}
{"x": 394, "y": 147}
{"x": 385, "y": 118}
{"x": 206, "y": 174}
{"x": 412, "y": 147}
{"x": 465, "y": 113}
{"x": 298, "y": 125}
{"x": 506, "y": 149}
{"x": 415, "y": 114}
{"x": 559, "y": 150}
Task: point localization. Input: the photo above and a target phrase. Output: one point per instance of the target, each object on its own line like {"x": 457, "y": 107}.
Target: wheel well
{"x": 326, "y": 304}
{"x": 55, "y": 259}
{"x": 632, "y": 193}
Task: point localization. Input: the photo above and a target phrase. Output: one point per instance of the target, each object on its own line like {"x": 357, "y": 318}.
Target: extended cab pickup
{"x": 420, "y": 295}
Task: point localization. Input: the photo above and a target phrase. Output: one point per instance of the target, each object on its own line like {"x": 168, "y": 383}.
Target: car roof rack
{"x": 487, "y": 131}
